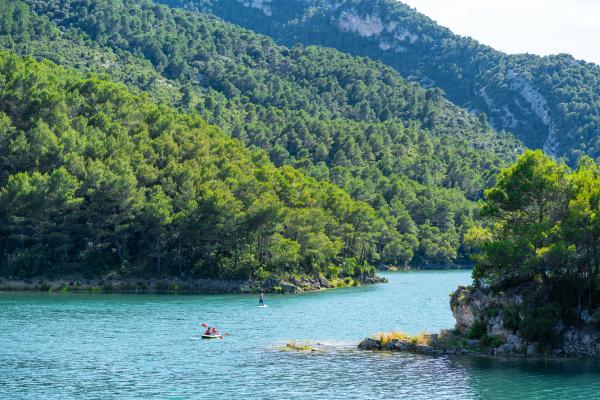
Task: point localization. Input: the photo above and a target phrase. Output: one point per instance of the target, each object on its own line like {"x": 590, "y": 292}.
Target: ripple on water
{"x": 123, "y": 346}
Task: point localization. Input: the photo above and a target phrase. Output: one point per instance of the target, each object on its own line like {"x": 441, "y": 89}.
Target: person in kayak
{"x": 261, "y": 299}
{"x": 211, "y": 331}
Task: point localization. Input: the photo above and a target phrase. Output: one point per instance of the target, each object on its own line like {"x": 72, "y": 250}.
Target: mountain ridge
{"x": 550, "y": 102}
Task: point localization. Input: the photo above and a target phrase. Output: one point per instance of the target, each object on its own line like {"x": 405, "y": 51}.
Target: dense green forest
{"x": 408, "y": 152}
{"x": 95, "y": 180}
{"x": 548, "y": 102}
{"x": 543, "y": 234}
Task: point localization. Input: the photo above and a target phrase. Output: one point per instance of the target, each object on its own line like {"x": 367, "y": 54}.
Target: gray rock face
{"x": 467, "y": 305}
{"x": 581, "y": 343}
{"x": 495, "y": 327}
{"x": 517, "y": 342}
{"x": 391, "y": 346}
{"x": 470, "y": 305}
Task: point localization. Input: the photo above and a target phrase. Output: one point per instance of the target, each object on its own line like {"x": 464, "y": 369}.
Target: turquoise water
{"x": 144, "y": 346}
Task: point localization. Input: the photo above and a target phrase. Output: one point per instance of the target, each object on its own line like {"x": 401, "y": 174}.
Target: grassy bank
{"x": 445, "y": 343}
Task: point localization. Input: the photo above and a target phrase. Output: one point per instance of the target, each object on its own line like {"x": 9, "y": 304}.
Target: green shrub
{"x": 492, "y": 312}
{"x": 350, "y": 267}
{"x": 538, "y": 325}
{"x": 511, "y": 318}
{"x": 491, "y": 341}
{"x": 332, "y": 271}
{"x": 478, "y": 330}
{"x": 262, "y": 274}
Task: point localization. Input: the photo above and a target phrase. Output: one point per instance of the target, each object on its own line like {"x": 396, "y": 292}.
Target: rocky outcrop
{"x": 467, "y": 305}
{"x": 262, "y": 5}
{"x": 580, "y": 343}
{"x": 365, "y": 26}
{"x": 431, "y": 345}
{"x": 488, "y": 324}
{"x": 472, "y": 307}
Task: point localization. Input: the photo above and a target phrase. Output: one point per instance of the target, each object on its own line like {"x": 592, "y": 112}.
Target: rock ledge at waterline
{"x": 179, "y": 285}
{"x": 472, "y": 307}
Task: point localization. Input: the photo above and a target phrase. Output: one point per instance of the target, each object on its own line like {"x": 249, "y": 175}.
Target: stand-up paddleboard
{"x": 263, "y": 306}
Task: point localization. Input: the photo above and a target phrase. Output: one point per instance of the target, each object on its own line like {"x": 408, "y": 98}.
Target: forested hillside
{"x": 415, "y": 157}
{"x": 95, "y": 180}
{"x": 548, "y": 102}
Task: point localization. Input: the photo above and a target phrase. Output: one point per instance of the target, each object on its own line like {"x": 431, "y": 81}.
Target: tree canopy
{"x": 94, "y": 180}
{"x": 543, "y": 228}
{"x": 418, "y": 160}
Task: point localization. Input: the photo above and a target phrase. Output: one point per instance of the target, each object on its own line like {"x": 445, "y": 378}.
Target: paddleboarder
{"x": 261, "y": 300}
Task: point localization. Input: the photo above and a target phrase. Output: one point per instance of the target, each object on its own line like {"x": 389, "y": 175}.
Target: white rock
{"x": 365, "y": 26}
{"x": 262, "y": 5}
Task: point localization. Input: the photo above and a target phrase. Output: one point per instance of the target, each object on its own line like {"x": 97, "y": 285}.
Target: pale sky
{"x": 523, "y": 26}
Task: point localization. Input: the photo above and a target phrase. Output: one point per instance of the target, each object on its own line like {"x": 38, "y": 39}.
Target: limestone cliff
{"x": 501, "y": 315}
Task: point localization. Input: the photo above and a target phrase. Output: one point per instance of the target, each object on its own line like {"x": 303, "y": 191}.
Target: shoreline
{"x": 173, "y": 285}
{"x": 430, "y": 267}
{"x": 447, "y": 343}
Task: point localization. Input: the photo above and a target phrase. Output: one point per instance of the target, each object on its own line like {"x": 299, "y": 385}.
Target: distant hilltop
{"x": 551, "y": 103}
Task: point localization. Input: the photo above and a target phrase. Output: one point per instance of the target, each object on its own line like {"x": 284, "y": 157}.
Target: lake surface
{"x": 62, "y": 346}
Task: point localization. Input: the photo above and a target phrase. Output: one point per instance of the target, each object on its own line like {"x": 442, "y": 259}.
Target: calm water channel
{"x": 61, "y": 346}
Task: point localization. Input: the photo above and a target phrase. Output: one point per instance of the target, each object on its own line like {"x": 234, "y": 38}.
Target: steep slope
{"x": 551, "y": 102}
{"x": 95, "y": 180}
{"x": 411, "y": 154}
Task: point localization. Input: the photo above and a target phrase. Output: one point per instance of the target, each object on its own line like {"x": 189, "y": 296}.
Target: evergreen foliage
{"x": 94, "y": 180}
{"x": 551, "y": 103}
{"x": 414, "y": 157}
{"x": 543, "y": 231}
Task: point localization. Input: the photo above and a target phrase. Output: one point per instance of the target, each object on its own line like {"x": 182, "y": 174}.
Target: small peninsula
{"x": 536, "y": 290}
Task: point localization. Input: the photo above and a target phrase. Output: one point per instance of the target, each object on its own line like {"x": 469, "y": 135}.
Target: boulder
{"x": 424, "y": 349}
{"x": 288, "y": 288}
{"x": 404, "y": 346}
{"x": 391, "y": 346}
{"x": 532, "y": 350}
{"x": 517, "y": 342}
{"x": 514, "y": 339}
{"x": 507, "y": 348}
{"x": 369, "y": 344}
